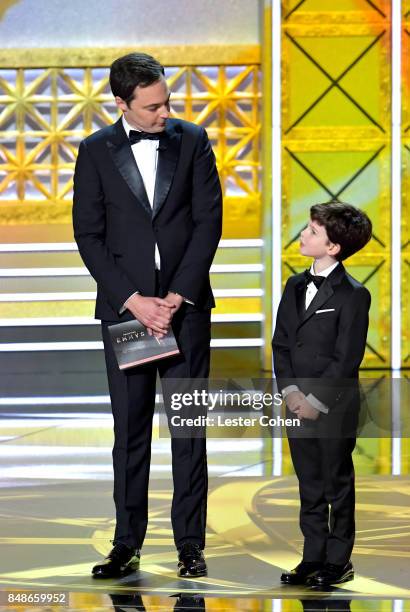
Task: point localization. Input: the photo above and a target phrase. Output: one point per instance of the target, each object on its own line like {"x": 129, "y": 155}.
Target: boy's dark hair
{"x": 132, "y": 70}
{"x": 345, "y": 225}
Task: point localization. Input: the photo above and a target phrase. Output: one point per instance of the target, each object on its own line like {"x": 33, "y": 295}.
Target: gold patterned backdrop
{"x": 51, "y": 99}
{"x": 336, "y": 136}
{"x": 46, "y": 111}
{"x": 336, "y": 86}
{"x": 406, "y": 186}
{"x": 336, "y": 103}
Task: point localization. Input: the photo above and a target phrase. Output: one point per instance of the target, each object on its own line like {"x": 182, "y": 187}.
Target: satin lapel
{"x": 168, "y": 154}
{"x": 123, "y": 158}
{"x": 300, "y": 289}
{"x": 324, "y": 293}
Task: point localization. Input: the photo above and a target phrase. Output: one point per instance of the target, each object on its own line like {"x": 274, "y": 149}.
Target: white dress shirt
{"x": 146, "y": 157}
{"x": 311, "y": 291}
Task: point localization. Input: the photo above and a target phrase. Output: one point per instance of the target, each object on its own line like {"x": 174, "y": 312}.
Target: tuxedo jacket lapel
{"x": 123, "y": 158}
{"x": 300, "y": 290}
{"x": 326, "y": 290}
{"x": 168, "y": 154}
{"x": 324, "y": 293}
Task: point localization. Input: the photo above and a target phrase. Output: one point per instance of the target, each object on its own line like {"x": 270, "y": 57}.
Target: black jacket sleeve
{"x": 282, "y": 363}
{"x": 89, "y": 232}
{"x": 207, "y": 221}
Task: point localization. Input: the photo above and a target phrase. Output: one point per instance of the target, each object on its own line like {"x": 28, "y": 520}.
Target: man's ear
{"x": 122, "y": 105}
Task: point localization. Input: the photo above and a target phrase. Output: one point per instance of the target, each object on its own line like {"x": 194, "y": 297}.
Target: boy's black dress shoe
{"x": 333, "y": 574}
{"x": 120, "y": 560}
{"x": 191, "y": 561}
{"x": 302, "y": 573}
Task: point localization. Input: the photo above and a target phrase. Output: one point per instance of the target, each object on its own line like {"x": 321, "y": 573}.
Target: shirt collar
{"x": 324, "y": 272}
{"x": 127, "y": 126}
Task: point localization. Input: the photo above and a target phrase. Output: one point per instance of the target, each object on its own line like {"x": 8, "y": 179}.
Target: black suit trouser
{"x": 325, "y": 471}
{"x": 133, "y": 400}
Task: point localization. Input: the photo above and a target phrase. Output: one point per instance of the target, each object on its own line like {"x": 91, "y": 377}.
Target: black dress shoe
{"x": 191, "y": 561}
{"x": 189, "y": 602}
{"x": 302, "y": 573}
{"x": 333, "y": 574}
{"x": 121, "y": 560}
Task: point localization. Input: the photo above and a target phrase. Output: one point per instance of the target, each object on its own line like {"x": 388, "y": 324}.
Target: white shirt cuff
{"x": 123, "y": 307}
{"x": 289, "y": 389}
{"x": 317, "y": 404}
{"x": 185, "y": 299}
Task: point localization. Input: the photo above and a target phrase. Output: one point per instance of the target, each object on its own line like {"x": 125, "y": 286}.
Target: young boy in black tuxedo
{"x": 318, "y": 345}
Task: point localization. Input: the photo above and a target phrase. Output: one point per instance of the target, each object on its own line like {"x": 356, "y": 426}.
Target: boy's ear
{"x": 334, "y": 249}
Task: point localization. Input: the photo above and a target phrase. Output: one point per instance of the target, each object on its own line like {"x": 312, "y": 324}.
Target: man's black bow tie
{"x": 311, "y": 278}
{"x": 135, "y": 136}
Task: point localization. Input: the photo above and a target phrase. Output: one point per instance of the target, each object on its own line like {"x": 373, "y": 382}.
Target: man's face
{"x": 149, "y": 108}
{"x": 314, "y": 241}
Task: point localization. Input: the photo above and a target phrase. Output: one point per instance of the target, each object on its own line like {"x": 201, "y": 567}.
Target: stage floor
{"x": 56, "y": 522}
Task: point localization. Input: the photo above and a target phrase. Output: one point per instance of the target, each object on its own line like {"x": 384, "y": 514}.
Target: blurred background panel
{"x": 33, "y": 24}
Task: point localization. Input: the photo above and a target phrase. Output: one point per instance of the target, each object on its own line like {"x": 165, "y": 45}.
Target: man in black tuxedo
{"x": 147, "y": 220}
{"x": 318, "y": 345}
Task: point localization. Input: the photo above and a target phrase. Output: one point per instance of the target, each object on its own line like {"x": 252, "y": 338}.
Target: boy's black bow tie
{"x": 135, "y": 136}
{"x": 311, "y": 278}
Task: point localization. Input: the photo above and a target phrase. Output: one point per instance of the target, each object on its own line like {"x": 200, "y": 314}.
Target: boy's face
{"x": 315, "y": 243}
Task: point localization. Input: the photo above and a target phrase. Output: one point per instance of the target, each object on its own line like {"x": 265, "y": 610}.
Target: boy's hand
{"x": 305, "y": 410}
{"x": 294, "y": 399}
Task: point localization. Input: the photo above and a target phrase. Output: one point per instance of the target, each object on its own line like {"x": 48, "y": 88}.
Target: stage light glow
{"x": 396, "y": 419}
{"x": 81, "y": 271}
{"x": 71, "y": 321}
{"x": 55, "y": 401}
{"x": 97, "y": 345}
{"x": 396, "y": 186}
{"x": 57, "y": 296}
{"x": 276, "y": 191}
{"x": 240, "y": 243}
{"x": 91, "y": 295}
{"x": 31, "y": 247}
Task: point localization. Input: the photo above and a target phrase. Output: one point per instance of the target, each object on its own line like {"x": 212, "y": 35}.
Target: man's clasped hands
{"x": 154, "y": 312}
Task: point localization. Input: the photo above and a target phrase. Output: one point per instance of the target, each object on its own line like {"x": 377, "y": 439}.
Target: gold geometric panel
{"x": 336, "y": 136}
{"x": 317, "y": 171}
{"x": 406, "y": 187}
{"x": 406, "y": 311}
{"x": 327, "y": 82}
{"x": 338, "y": 70}
{"x": 350, "y": 11}
{"x": 45, "y": 113}
{"x": 226, "y": 101}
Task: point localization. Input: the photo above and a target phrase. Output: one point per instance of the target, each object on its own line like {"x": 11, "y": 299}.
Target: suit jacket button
{"x": 299, "y": 343}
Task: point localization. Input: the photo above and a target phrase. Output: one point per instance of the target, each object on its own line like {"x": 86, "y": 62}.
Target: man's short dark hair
{"x": 132, "y": 70}
{"x": 345, "y": 225}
